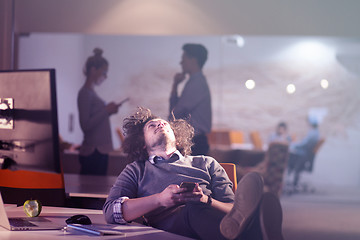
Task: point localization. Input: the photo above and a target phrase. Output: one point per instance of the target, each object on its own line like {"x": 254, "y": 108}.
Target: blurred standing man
{"x": 194, "y": 103}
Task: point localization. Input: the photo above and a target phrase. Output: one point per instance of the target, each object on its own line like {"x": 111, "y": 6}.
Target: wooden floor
{"x": 327, "y": 214}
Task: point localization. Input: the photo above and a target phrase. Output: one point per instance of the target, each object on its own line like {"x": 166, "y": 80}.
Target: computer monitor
{"x": 29, "y": 138}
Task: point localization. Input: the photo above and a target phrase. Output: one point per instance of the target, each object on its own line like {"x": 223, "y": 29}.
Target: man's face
{"x": 187, "y": 62}
{"x": 158, "y": 132}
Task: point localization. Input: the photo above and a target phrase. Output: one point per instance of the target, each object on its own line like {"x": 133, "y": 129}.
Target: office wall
{"x": 143, "y": 67}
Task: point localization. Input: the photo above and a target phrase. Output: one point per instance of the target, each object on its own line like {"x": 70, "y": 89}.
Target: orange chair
{"x": 230, "y": 170}
{"x": 120, "y": 135}
{"x": 21, "y": 185}
{"x": 219, "y": 138}
{"x": 307, "y": 166}
{"x": 256, "y": 140}
{"x": 236, "y": 136}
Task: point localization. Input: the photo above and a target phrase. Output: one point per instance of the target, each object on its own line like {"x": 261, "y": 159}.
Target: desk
{"x": 77, "y": 185}
{"x": 87, "y": 191}
{"x": 59, "y": 215}
{"x": 71, "y": 164}
{"x": 240, "y": 157}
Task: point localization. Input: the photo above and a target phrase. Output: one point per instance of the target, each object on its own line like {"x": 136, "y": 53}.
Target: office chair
{"x": 306, "y": 165}
{"x": 256, "y": 140}
{"x": 18, "y": 186}
{"x": 236, "y": 137}
{"x": 219, "y": 138}
{"x": 230, "y": 170}
{"x": 120, "y": 135}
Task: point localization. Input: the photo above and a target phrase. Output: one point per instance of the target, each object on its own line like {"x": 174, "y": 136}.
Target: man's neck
{"x": 162, "y": 152}
{"x": 194, "y": 71}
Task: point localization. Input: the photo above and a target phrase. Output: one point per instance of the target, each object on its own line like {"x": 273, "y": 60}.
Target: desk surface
{"x": 59, "y": 215}
{"x": 77, "y": 185}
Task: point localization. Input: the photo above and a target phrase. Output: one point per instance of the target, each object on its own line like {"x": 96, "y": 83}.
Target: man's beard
{"x": 162, "y": 140}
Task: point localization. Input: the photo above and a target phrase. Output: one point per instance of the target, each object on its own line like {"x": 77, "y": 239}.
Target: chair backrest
{"x": 219, "y": 137}
{"x": 21, "y": 185}
{"x": 230, "y": 170}
{"x": 236, "y": 136}
{"x": 120, "y": 135}
{"x": 318, "y": 145}
{"x": 309, "y": 165}
{"x": 256, "y": 140}
{"x": 276, "y": 157}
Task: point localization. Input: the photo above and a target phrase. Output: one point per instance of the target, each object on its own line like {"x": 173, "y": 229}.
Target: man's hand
{"x": 196, "y": 195}
{"x": 169, "y": 196}
{"x": 178, "y": 78}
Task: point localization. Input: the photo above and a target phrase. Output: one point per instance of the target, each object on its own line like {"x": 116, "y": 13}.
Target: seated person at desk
{"x": 302, "y": 151}
{"x": 280, "y": 134}
{"x": 149, "y": 187}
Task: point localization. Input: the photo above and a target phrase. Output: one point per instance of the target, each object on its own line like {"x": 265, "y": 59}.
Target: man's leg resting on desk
{"x": 255, "y": 215}
{"x": 250, "y": 217}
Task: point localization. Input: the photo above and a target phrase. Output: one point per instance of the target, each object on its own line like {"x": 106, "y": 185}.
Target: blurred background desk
{"x": 87, "y": 191}
{"x": 59, "y": 215}
{"x": 77, "y": 185}
{"x": 117, "y": 162}
{"x": 238, "y": 156}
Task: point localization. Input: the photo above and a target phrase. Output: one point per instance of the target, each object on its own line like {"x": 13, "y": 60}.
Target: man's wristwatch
{"x": 209, "y": 201}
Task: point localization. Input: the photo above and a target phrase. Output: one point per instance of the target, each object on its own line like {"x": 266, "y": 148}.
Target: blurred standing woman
{"x": 94, "y": 115}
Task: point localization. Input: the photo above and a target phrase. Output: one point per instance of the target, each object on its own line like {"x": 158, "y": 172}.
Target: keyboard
{"x": 20, "y": 222}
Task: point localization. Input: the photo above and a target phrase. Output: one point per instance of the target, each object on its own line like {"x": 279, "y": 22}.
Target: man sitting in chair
{"x": 151, "y": 187}
{"x": 302, "y": 152}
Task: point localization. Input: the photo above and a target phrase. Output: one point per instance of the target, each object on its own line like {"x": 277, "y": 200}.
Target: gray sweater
{"x": 143, "y": 178}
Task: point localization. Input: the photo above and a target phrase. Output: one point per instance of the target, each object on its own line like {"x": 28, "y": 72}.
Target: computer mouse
{"x": 78, "y": 219}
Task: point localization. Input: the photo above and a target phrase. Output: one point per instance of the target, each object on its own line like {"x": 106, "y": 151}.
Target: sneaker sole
{"x": 271, "y": 217}
{"x": 246, "y": 202}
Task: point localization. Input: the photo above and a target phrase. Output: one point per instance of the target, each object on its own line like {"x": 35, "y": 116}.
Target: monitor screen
{"x": 29, "y": 138}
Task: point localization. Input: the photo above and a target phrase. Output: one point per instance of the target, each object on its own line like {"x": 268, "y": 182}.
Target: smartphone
{"x": 189, "y": 186}
{"x": 123, "y": 101}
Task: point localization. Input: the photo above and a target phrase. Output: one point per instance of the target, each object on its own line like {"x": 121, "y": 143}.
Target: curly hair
{"x": 134, "y": 143}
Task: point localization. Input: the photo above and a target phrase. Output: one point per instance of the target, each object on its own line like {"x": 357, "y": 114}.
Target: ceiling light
{"x": 290, "y": 88}
{"x": 250, "y": 84}
{"x": 324, "y": 83}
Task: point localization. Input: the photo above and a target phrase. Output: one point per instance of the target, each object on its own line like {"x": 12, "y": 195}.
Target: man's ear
{"x": 195, "y": 62}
